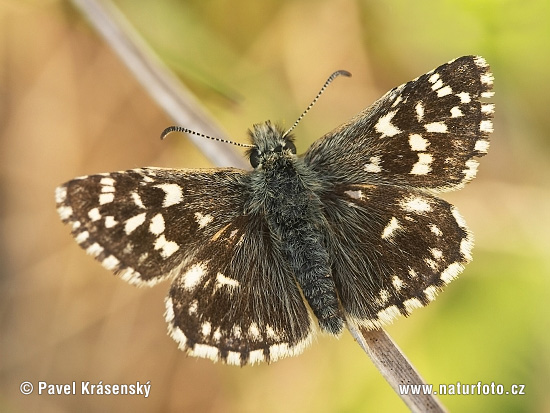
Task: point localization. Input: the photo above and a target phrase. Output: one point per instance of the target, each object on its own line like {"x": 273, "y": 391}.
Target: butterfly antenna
{"x": 328, "y": 82}
{"x": 171, "y": 129}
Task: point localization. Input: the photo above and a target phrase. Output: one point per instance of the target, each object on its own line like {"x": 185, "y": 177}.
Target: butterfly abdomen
{"x": 294, "y": 215}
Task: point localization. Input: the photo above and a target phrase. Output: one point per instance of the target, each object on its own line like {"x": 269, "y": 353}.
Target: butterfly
{"x": 351, "y": 232}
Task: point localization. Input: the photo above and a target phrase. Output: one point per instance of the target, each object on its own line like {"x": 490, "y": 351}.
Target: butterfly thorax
{"x": 283, "y": 193}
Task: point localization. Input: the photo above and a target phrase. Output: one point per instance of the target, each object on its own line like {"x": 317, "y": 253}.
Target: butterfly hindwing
{"x": 424, "y": 134}
{"x": 392, "y": 250}
{"x": 237, "y": 301}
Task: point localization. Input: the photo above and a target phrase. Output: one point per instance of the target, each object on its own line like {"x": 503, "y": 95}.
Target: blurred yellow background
{"x": 69, "y": 107}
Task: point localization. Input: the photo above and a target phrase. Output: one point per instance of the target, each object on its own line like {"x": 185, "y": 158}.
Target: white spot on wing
{"x": 233, "y": 358}
{"x": 94, "y": 214}
{"x": 444, "y": 91}
{"x": 206, "y": 328}
{"x": 203, "y": 220}
{"x": 60, "y": 194}
{"x": 464, "y": 97}
{"x": 94, "y": 250}
{"x": 83, "y": 236}
{"x": 488, "y": 108}
{"x": 456, "y": 112}
{"x": 167, "y": 248}
{"x": 397, "y": 101}
{"x": 385, "y": 127}
{"x": 110, "y": 262}
{"x": 256, "y": 356}
{"x": 430, "y": 263}
{"x": 482, "y": 146}
{"x": 436, "y": 253}
{"x": 466, "y": 248}
{"x": 436, "y": 127}
{"x": 419, "y": 111}
{"x": 222, "y": 280}
{"x": 107, "y": 181}
{"x": 106, "y": 198}
{"x": 486, "y": 126}
{"x": 374, "y": 165}
{"x": 451, "y": 272}
{"x": 254, "y": 331}
{"x": 206, "y": 351}
{"x": 131, "y": 224}
{"x": 471, "y": 169}
{"x": 110, "y": 221}
{"x": 415, "y": 204}
{"x": 435, "y": 229}
{"x": 173, "y": 194}
{"x": 437, "y": 84}
{"x": 397, "y": 282}
{"x": 384, "y": 296}
{"x": 236, "y": 331}
{"x": 388, "y": 314}
{"x": 417, "y": 142}
{"x": 487, "y": 78}
{"x": 193, "y": 276}
{"x": 193, "y": 307}
{"x": 422, "y": 166}
{"x": 355, "y": 194}
{"x": 434, "y": 78}
{"x": 157, "y": 224}
{"x": 411, "y": 304}
{"x": 392, "y": 226}
{"x": 430, "y": 292}
{"x": 271, "y": 333}
{"x": 137, "y": 199}
{"x": 480, "y": 62}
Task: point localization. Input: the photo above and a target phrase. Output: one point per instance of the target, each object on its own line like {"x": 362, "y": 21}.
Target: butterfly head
{"x": 270, "y": 143}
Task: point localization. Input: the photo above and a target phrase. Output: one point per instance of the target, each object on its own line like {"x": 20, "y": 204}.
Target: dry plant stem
{"x": 163, "y": 86}
{"x": 185, "y": 110}
{"x": 395, "y": 368}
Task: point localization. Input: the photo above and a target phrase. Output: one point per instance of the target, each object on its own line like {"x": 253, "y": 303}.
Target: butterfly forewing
{"x": 424, "y": 134}
{"x": 145, "y": 223}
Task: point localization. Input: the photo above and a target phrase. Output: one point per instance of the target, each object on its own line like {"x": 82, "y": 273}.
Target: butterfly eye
{"x": 255, "y": 157}
{"x": 278, "y": 149}
{"x": 290, "y": 145}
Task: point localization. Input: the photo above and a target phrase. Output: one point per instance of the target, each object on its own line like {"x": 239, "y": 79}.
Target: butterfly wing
{"x": 393, "y": 245}
{"x": 424, "y": 134}
{"x": 232, "y": 298}
{"x": 392, "y": 250}
{"x": 144, "y": 223}
{"x": 237, "y": 302}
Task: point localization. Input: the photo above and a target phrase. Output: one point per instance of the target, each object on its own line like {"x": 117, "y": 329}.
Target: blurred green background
{"x": 69, "y": 107}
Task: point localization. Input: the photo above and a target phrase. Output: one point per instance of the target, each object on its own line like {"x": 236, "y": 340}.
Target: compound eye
{"x": 290, "y": 145}
{"x": 255, "y": 157}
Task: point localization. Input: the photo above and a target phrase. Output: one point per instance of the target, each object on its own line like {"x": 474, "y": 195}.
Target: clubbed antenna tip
{"x": 171, "y": 129}
{"x": 328, "y": 82}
